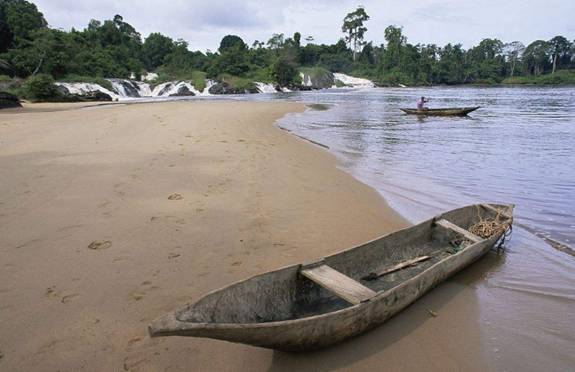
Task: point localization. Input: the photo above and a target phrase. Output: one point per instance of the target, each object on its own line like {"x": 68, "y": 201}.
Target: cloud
{"x": 203, "y": 23}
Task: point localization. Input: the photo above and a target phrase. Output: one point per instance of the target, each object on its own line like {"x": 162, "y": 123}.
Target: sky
{"x": 203, "y": 23}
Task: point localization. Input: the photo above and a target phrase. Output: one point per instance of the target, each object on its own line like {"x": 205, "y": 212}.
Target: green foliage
{"x": 315, "y": 72}
{"x": 263, "y": 75}
{"x": 560, "y": 77}
{"x": 284, "y": 71}
{"x": 195, "y": 77}
{"x": 18, "y": 18}
{"x": 114, "y": 48}
{"x": 155, "y": 49}
{"x": 561, "y": 50}
{"x": 40, "y": 88}
{"x": 198, "y": 79}
{"x": 354, "y": 29}
{"x": 111, "y": 49}
{"x": 395, "y": 44}
{"x": 181, "y": 61}
{"x": 233, "y": 58}
{"x": 236, "y": 82}
{"x": 536, "y": 57}
{"x": 232, "y": 43}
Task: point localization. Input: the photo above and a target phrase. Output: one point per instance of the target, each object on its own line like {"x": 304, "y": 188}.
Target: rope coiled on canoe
{"x": 487, "y": 227}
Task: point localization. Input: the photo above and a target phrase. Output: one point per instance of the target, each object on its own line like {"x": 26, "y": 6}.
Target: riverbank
{"x": 114, "y": 215}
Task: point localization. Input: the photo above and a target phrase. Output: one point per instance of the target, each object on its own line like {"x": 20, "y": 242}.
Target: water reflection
{"x": 517, "y": 148}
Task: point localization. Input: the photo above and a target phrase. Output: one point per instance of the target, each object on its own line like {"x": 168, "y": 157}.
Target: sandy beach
{"x": 113, "y": 215}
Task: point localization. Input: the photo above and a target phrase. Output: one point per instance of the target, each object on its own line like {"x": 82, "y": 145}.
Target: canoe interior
{"x": 285, "y": 294}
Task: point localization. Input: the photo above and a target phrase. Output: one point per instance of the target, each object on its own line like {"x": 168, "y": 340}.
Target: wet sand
{"x": 111, "y": 216}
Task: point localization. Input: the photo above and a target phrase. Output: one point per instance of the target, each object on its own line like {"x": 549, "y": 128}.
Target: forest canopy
{"x": 114, "y": 48}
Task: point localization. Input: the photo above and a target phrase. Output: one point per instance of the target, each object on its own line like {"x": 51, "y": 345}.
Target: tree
{"x": 276, "y": 42}
{"x": 40, "y": 88}
{"x": 485, "y": 62}
{"x": 233, "y": 57}
{"x": 355, "y": 30}
{"x": 155, "y": 49}
{"x": 428, "y": 56}
{"x": 284, "y": 71}
{"x": 257, "y": 44}
{"x": 395, "y": 43}
{"x": 367, "y": 55}
{"x": 451, "y": 65}
{"x": 181, "y": 61}
{"x": 18, "y": 18}
{"x": 297, "y": 39}
{"x": 560, "y": 49}
{"x": 513, "y": 51}
{"x": 232, "y": 43}
{"x": 537, "y": 56}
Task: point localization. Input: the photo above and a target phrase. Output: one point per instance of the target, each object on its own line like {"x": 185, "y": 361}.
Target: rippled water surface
{"x": 518, "y": 148}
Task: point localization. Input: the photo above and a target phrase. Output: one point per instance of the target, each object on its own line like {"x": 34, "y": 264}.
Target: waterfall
{"x": 305, "y": 80}
{"x": 353, "y": 82}
{"x": 125, "y": 89}
{"x": 265, "y": 87}
{"x": 87, "y": 88}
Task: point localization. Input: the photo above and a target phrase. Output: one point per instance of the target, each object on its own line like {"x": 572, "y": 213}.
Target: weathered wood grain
{"x": 468, "y": 235}
{"x": 340, "y": 284}
{"x": 394, "y": 268}
{"x": 497, "y": 210}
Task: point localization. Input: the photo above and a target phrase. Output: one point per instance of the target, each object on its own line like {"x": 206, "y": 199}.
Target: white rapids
{"x": 125, "y": 89}
{"x": 266, "y": 87}
{"x": 353, "y": 82}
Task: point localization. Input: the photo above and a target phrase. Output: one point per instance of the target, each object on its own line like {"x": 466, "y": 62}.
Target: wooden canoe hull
{"x": 440, "y": 112}
{"x": 322, "y": 330}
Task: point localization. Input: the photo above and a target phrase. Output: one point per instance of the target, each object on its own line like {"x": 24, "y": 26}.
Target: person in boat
{"x": 421, "y": 103}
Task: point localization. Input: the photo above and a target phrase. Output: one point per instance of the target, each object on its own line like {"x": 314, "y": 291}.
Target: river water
{"x": 518, "y": 148}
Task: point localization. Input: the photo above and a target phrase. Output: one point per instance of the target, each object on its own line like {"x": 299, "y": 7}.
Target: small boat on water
{"x": 313, "y": 305}
{"x": 463, "y": 111}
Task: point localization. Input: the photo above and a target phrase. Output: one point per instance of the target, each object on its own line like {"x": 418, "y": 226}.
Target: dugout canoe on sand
{"x": 310, "y": 306}
{"x": 463, "y": 111}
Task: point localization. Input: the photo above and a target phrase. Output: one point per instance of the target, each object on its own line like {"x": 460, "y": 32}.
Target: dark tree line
{"x": 114, "y": 48}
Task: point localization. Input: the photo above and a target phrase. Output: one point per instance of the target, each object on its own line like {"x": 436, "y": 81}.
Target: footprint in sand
{"x": 100, "y": 244}
{"x": 175, "y": 196}
{"x": 134, "y": 340}
{"x": 138, "y": 295}
{"x": 69, "y": 297}
{"x": 145, "y": 287}
{"x": 51, "y": 292}
{"x": 130, "y": 363}
{"x": 168, "y": 219}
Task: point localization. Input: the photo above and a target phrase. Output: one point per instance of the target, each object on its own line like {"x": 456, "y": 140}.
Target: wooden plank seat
{"x": 461, "y": 231}
{"x": 338, "y": 283}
